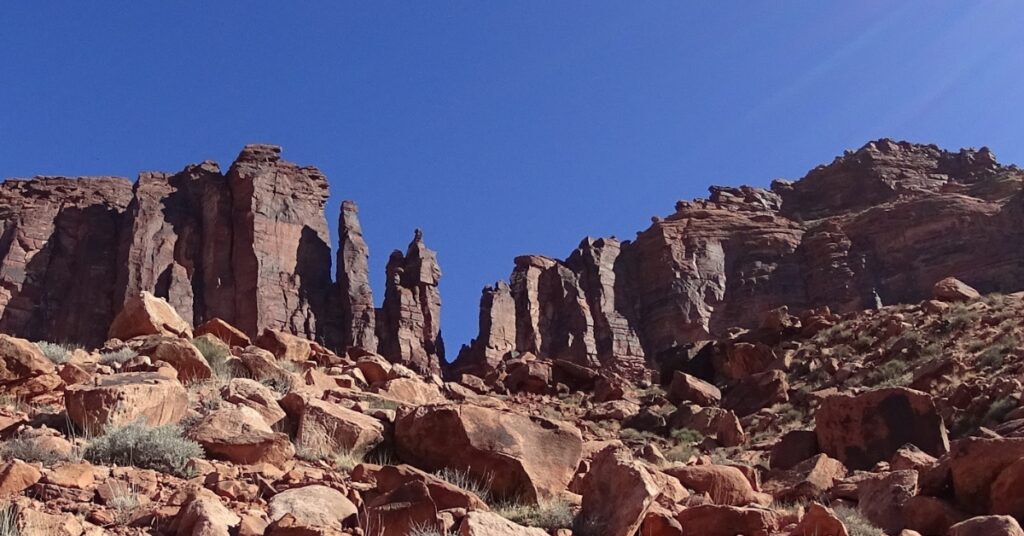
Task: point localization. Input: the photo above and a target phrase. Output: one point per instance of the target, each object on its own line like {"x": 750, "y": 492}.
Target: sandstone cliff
{"x": 251, "y": 247}
{"x": 883, "y": 223}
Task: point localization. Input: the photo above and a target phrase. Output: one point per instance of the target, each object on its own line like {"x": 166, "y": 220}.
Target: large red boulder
{"x": 987, "y": 526}
{"x": 718, "y": 520}
{"x": 977, "y": 464}
{"x": 617, "y": 492}
{"x": 146, "y": 314}
{"x": 862, "y": 430}
{"x": 531, "y": 458}
{"x": 119, "y": 399}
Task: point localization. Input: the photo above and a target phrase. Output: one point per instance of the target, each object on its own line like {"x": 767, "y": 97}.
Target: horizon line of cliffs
{"x": 251, "y": 247}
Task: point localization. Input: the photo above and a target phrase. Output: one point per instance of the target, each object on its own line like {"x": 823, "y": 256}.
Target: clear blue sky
{"x": 503, "y": 128}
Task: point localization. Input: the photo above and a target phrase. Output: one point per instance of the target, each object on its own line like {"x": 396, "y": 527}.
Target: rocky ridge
{"x": 749, "y": 365}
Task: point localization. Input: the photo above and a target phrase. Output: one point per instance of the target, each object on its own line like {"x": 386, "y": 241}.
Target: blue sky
{"x": 503, "y": 128}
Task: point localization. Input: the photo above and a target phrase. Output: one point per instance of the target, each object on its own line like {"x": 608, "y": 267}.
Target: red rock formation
{"x": 177, "y": 242}
{"x": 357, "y": 314}
{"x": 616, "y": 341}
{"x": 280, "y": 254}
{"x": 497, "y": 332}
{"x": 58, "y": 255}
{"x": 883, "y": 223}
{"x": 552, "y": 314}
{"x": 409, "y": 325}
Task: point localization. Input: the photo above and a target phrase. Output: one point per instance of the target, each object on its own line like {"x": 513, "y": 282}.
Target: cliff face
{"x": 58, "y": 256}
{"x": 888, "y": 220}
{"x": 251, "y": 247}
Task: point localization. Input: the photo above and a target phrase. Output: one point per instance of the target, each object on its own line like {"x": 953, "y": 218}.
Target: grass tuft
{"x": 9, "y": 520}
{"x": 856, "y": 524}
{"x": 550, "y": 516}
{"x": 57, "y": 353}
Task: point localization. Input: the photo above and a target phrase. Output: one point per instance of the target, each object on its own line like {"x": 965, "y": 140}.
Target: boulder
{"x": 313, "y": 506}
{"x": 930, "y": 515}
{"x": 793, "y": 447}
{"x": 16, "y": 476}
{"x": 285, "y": 346}
{"x": 32, "y": 521}
{"x": 239, "y": 434}
{"x": 806, "y": 481}
{"x": 881, "y": 498}
{"x": 146, "y": 314}
{"x": 226, "y": 333}
{"x": 443, "y": 494}
{"x": 819, "y": 521}
{"x": 617, "y": 492}
{"x": 757, "y": 391}
{"x": 253, "y": 394}
{"x": 412, "y": 391}
{"x": 119, "y": 399}
{"x": 987, "y": 526}
{"x": 726, "y": 485}
{"x": 403, "y": 510}
{"x": 203, "y": 514}
{"x": 530, "y": 377}
{"x": 71, "y": 475}
{"x": 686, "y": 388}
{"x": 718, "y": 520}
{"x": 1007, "y": 491}
{"x": 976, "y": 465}
{"x": 738, "y": 360}
{"x": 21, "y": 360}
{"x": 326, "y": 428}
{"x": 261, "y": 365}
{"x": 375, "y": 368}
{"x": 862, "y": 430}
{"x": 719, "y": 423}
{"x": 952, "y": 289}
{"x": 488, "y": 524}
{"x": 526, "y": 457}
{"x": 178, "y": 353}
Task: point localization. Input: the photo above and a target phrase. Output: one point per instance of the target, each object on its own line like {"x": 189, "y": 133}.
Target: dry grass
{"x": 855, "y": 523}
{"x": 550, "y": 516}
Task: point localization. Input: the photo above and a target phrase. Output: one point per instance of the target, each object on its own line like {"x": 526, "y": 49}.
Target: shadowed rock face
{"x": 891, "y": 219}
{"x": 58, "y": 256}
{"x": 176, "y": 243}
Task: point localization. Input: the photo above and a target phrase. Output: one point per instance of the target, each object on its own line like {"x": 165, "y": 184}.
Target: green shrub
{"x": 889, "y": 374}
{"x": 687, "y": 435}
{"x": 999, "y": 409}
{"x": 57, "y": 353}
{"x": 960, "y": 316}
{"x": 118, "y": 357}
{"x": 30, "y": 450}
{"x": 161, "y": 448}
{"x": 216, "y": 355}
{"x": 124, "y": 501}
